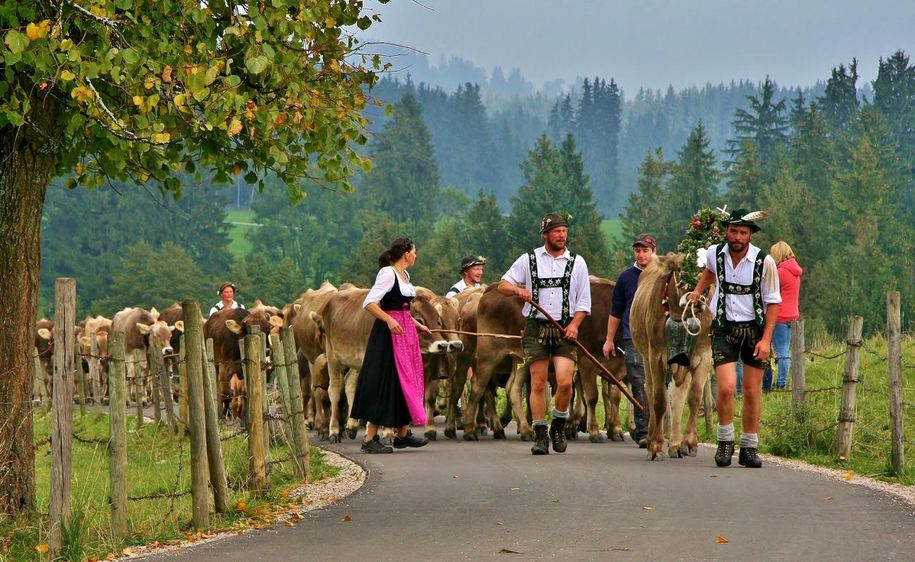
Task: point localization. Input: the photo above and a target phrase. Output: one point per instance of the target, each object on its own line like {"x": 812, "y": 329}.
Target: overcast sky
{"x": 655, "y": 43}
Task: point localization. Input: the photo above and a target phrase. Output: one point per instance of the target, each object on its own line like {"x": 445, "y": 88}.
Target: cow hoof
{"x": 431, "y": 435}
{"x": 655, "y": 456}
{"x": 323, "y": 438}
{"x": 334, "y": 438}
{"x": 471, "y": 436}
{"x": 674, "y": 453}
{"x": 615, "y": 436}
{"x": 572, "y": 434}
{"x": 688, "y": 450}
{"x": 498, "y": 434}
{"x": 596, "y": 438}
{"x": 351, "y": 432}
{"x": 527, "y": 436}
{"x": 482, "y": 431}
{"x": 450, "y": 433}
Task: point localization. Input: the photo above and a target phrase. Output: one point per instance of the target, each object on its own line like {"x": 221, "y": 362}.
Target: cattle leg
{"x": 478, "y": 387}
{"x": 350, "y": 379}
{"x": 492, "y": 414}
{"x": 690, "y": 444}
{"x": 335, "y": 391}
{"x": 612, "y": 396}
{"x": 458, "y": 382}
{"x": 519, "y": 376}
{"x": 431, "y": 395}
{"x": 680, "y": 385}
{"x": 656, "y": 390}
{"x": 589, "y": 395}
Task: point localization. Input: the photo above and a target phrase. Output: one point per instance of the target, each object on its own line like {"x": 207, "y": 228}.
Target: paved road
{"x": 454, "y": 500}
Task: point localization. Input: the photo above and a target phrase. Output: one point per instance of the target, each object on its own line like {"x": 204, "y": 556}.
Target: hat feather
{"x": 755, "y": 215}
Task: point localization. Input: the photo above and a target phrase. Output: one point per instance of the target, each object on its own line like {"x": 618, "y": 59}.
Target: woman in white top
{"x": 391, "y": 385}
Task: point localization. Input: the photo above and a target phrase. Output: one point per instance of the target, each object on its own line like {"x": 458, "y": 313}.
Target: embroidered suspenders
{"x": 726, "y": 288}
{"x": 565, "y": 282}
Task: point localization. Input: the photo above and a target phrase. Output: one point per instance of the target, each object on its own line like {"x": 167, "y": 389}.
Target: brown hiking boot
{"x": 749, "y": 458}
{"x": 558, "y": 434}
{"x": 541, "y": 441}
{"x": 724, "y": 453}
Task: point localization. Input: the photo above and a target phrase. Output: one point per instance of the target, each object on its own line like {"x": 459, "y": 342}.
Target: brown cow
{"x": 309, "y": 338}
{"x": 140, "y": 328}
{"x": 227, "y": 328}
{"x": 438, "y": 367}
{"x": 347, "y": 327}
{"x": 647, "y": 323}
{"x": 100, "y": 327}
{"x": 44, "y": 346}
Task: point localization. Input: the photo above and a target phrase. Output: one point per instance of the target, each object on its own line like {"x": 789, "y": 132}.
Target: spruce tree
{"x": 764, "y": 123}
{"x": 840, "y": 101}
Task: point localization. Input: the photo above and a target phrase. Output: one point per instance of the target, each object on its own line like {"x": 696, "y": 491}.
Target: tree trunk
{"x": 28, "y": 156}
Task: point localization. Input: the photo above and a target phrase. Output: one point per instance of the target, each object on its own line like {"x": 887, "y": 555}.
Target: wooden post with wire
{"x": 894, "y": 373}
{"x": 151, "y": 352}
{"x": 80, "y": 377}
{"x": 62, "y": 406}
{"x": 139, "y": 385}
{"x": 296, "y": 406}
{"x": 798, "y": 365}
{"x": 182, "y": 380}
{"x": 117, "y": 443}
{"x": 95, "y": 373}
{"x": 257, "y": 453}
{"x": 196, "y": 415}
{"x": 214, "y": 445}
{"x": 849, "y": 389}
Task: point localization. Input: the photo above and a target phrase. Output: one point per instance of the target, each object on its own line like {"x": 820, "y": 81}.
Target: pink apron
{"x": 409, "y": 363}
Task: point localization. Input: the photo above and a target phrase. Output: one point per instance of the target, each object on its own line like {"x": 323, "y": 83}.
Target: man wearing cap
{"x": 471, "y": 275}
{"x": 643, "y": 249}
{"x": 745, "y": 303}
{"x": 227, "y": 298}
{"x": 557, "y": 280}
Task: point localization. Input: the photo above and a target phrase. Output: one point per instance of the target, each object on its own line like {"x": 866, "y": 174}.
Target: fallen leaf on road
{"x": 499, "y": 523}
{"x": 647, "y": 507}
{"x": 347, "y": 517}
{"x": 513, "y": 489}
{"x": 849, "y": 475}
{"x": 127, "y": 552}
{"x": 721, "y": 540}
{"x": 507, "y": 551}
{"x": 455, "y": 476}
{"x": 828, "y": 498}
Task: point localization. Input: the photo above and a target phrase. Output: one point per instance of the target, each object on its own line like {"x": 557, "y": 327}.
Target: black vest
{"x": 564, "y": 282}
{"x": 725, "y": 288}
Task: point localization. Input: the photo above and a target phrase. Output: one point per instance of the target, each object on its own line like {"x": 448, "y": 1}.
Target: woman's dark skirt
{"x": 379, "y": 398}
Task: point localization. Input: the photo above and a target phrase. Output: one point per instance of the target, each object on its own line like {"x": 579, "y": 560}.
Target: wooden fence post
{"x": 139, "y": 385}
{"x": 182, "y": 380}
{"x": 849, "y": 382}
{"x": 165, "y": 383}
{"x": 214, "y": 446}
{"x": 297, "y": 406}
{"x": 257, "y": 455}
{"x": 80, "y": 377}
{"x": 151, "y": 352}
{"x": 798, "y": 365}
{"x": 196, "y": 413}
{"x": 117, "y": 444}
{"x": 894, "y": 371}
{"x": 62, "y": 418}
{"x": 95, "y": 374}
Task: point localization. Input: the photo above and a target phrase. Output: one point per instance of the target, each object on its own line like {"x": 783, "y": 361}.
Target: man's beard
{"x": 559, "y": 246}
{"x": 736, "y": 246}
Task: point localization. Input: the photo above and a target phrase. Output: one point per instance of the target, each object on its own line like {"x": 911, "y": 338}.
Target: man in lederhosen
{"x": 557, "y": 280}
{"x": 745, "y": 303}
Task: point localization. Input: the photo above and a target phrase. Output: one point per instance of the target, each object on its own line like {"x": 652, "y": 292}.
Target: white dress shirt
{"x": 383, "y": 283}
{"x": 547, "y": 266}
{"x": 739, "y": 308}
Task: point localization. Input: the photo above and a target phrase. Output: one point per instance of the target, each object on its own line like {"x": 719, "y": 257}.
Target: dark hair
{"x": 398, "y": 248}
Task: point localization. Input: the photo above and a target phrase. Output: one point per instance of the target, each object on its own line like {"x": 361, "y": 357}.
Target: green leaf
{"x": 251, "y": 178}
{"x": 278, "y": 155}
{"x": 364, "y": 22}
{"x": 14, "y": 118}
{"x": 130, "y": 56}
{"x": 258, "y": 64}
{"x": 201, "y": 94}
{"x": 16, "y": 41}
{"x": 232, "y": 81}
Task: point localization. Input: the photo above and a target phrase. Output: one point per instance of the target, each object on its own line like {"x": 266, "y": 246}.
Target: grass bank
{"x": 159, "y": 479}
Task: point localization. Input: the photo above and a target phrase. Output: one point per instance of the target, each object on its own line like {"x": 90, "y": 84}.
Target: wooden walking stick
{"x": 604, "y": 372}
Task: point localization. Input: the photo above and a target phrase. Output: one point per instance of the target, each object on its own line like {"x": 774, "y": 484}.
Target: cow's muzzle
{"x": 440, "y": 346}
{"x": 455, "y": 346}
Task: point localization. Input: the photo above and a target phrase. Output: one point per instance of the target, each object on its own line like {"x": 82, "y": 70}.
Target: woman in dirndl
{"x": 391, "y": 386}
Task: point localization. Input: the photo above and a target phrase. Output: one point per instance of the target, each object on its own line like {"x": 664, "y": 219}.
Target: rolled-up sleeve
{"x": 769, "y": 286}
{"x": 383, "y": 283}
{"x": 519, "y": 272}
{"x": 581, "y": 286}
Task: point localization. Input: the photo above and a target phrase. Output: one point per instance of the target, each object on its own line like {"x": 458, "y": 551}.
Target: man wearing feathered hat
{"x": 745, "y": 303}
{"x": 471, "y": 274}
{"x": 557, "y": 280}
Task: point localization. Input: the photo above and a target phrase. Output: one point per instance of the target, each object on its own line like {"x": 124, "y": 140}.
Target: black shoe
{"x": 375, "y": 446}
{"x": 724, "y": 453}
{"x": 749, "y": 458}
{"x": 541, "y": 441}
{"x": 558, "y": 434}
{"x": 409, "y": 440}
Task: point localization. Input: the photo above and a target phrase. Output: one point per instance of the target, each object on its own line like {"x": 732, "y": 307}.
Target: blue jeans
{"x": 781, "y": 344}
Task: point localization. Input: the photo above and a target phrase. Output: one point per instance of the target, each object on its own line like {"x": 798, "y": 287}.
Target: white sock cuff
{"x": 749, "y": 440}
{"x": 726, "y": 432}
{"x": 560, "y": 414}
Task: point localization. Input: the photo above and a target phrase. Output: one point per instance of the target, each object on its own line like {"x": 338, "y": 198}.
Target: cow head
{"x": 158, "y": 333}
{"x": 448, "y": 311}
{"x": 424, "y": 312}
{"x": 267, "y": 322}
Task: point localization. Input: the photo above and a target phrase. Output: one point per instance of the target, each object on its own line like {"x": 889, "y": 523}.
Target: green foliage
{"x": 764, "y": 124}
{"x": 142, "y": 89}
{"x": 272, "y": 282}
{"x": 704, "y": 230}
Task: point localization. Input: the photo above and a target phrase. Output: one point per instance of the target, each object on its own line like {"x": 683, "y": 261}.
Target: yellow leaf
{"x": 66, "y": 75}
{"x": 38, "y": 31}
{"x": 138, "y": 100}
{"x": 167, "y": 74}
{"x": 127, "y": 552}
{"x": 347, "y": 517}
{"x": 234, "y": 127}
{"x": 78, "y": 169}
{"x": 721, "y": 540}
{"x": 81, "y": 93}
{"x": 647, "y": 507}
{"x": 161, "y": 138}
{"x": 849, "y": 475}
{"x": 330, "y": 22}
{"x": 280, "y": 119}
{"x": 42, "y": 548}
{"x": 241, "y": 506}
{"x": 111, "y": 556}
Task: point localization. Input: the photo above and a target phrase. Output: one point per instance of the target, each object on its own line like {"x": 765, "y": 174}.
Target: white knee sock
{"x": 726, "y": 432}
{"x": 749, "y": 440}
{"x": 560, "y": 414}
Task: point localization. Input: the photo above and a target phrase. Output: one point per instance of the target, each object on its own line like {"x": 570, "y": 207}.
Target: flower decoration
{"x": 704, "y": 230}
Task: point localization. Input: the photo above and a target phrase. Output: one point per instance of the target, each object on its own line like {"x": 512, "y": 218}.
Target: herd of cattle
{"x": 331, "y": 331}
